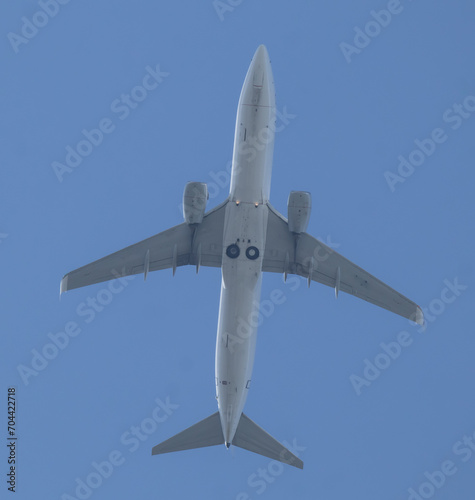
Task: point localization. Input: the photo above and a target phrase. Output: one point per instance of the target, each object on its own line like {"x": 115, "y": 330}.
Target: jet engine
{"x": 195, "y": 197}
{"x": 298, "y": 209}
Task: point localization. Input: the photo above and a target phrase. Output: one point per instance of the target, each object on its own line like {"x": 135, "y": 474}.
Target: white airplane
{"x": 244, "y": 236}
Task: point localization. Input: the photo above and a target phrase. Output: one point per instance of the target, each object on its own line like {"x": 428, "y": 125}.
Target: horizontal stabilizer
{"x": 253, "y": 438}
{"x": 207, "y": 432}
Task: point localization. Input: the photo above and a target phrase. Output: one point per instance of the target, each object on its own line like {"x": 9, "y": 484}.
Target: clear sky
{"x": 376, "y": 103}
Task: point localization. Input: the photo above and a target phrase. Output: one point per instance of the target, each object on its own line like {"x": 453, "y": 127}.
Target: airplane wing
{"x": 200, "y": 245}
{"x": 306, "y": 256}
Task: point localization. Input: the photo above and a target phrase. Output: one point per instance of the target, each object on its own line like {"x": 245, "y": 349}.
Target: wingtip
{"x": 63, "y": 287}
{"x": 420, "y": 317}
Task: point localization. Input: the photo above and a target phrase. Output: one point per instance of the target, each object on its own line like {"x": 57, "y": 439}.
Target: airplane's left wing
{"x": 306, "y": 256}
{"x": 199, "y": 245}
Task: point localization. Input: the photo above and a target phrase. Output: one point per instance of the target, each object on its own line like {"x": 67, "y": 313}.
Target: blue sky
{"x": 355, "y": 106}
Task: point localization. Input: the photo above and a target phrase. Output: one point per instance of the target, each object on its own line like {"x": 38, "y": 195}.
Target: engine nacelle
{"x": 299, "y": 207}
{"x": 195, "y": 197}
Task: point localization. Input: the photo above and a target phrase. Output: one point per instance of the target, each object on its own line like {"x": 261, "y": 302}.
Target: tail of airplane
{"x": 249, "y": 435}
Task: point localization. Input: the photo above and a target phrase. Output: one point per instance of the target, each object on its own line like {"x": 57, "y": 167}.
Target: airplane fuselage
{"x": 244, "y": 240}
{"x": 245, "y": 236}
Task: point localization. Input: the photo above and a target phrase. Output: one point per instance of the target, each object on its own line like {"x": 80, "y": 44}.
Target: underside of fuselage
{"x": 244, "y": 236}
{"x": 244, "y": 241}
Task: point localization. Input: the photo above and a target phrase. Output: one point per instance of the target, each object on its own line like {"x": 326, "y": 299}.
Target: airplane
{"x": 244, "y": 236}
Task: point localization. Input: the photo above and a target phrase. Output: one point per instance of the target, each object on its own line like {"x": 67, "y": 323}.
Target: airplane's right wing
{"x": 306, "y": 256}
{"x": 200, "y": 245}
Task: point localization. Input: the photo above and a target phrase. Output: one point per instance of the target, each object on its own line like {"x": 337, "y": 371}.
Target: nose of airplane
{"x": 259, "y": 66}
{"x": 261, "y": 54}
{"x": 259, "y": 82}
